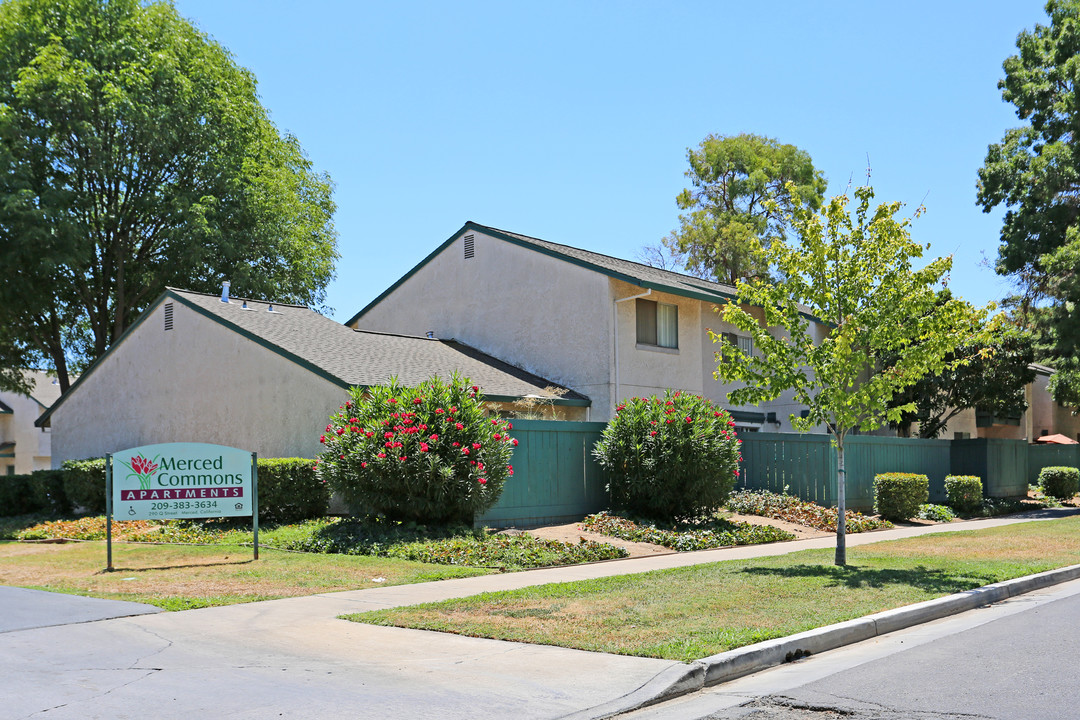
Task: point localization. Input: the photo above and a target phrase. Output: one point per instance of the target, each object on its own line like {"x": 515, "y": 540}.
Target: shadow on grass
{"x": 853, "y": 576}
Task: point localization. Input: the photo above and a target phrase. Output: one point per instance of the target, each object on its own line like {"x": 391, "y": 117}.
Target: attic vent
{"x": 168, "y": 316}
{"x": 470, "y": 247}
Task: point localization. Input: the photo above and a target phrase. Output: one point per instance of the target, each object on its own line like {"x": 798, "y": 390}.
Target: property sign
{"x": 182, "y": 480}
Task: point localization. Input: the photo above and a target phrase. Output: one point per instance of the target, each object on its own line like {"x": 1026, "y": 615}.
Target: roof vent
{"x": 430, "y": 334}
{"x": 225, "y": 291}
{"x": 168, "y": 316}
{"x": 470, "y": 246}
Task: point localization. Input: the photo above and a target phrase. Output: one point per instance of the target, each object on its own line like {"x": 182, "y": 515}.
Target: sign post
{"x": 181, "y": 480}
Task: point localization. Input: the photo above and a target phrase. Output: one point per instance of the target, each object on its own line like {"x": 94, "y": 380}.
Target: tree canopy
{"x": 135, "y": 155}
{"x": 854, "y": 276}
{"x": 743, "y": 188}
{"x": 1035, "y": 173}
{"x": 991, "y": 377}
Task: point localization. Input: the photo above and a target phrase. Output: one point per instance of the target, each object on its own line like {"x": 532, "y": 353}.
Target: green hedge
{"x": 964, "y": 492}
{"x": 84, "y": 483}
{"x": 290, "y": 491}
{"x": 1059, "y": 482}
{"x": 898, "y": 496}
{"x": 16, "y": 497}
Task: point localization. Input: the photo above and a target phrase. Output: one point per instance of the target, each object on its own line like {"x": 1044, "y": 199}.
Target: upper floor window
{"x": 657, "y": 324}
{"x": 744, "y": 343}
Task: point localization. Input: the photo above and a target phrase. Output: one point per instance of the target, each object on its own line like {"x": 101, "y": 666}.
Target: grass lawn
{"x": 693, "y": 612}
{"x": 181, "y": 577}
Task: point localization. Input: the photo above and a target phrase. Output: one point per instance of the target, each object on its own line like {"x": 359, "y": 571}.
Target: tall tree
{"x": 855, "y": 275}
{"x": 991, "y": 377}
{"x": 1035, "y": 173}
{"x": 743, "y": 188}
{"x": 135, "y": 154}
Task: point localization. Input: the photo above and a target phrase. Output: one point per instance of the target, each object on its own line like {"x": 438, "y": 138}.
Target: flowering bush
{"x": 675, "y": 457}
{"x": 424, "y": 453}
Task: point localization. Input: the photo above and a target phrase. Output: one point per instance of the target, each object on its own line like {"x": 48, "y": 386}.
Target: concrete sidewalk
{"x": 293, "y": 658}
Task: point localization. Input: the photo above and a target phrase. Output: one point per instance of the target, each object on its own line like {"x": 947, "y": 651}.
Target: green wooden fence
{"x": 556, "y": 479}
{"x": 555, "y": 476}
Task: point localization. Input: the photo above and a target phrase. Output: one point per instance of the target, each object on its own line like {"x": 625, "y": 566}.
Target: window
{"x": 657, "y": 324}
{"x": 744, "y": 343}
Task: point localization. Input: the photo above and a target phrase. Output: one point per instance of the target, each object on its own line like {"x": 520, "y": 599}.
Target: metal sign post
{"x": 255, "y": 501}
{"x": 108, "y": 510}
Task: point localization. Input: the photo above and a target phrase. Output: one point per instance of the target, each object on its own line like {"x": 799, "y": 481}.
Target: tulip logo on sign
{"x": 142, "y": 469}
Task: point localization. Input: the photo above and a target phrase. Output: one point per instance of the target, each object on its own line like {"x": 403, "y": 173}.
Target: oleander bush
{"x": 426, "y": 453}
{"x": 669, "y": 458}
{"x": 964, "y": 493}
{"x": 897, "y": 496}
{"x": 1059, "y": 482}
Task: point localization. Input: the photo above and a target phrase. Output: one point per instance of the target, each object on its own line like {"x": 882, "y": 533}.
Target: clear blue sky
{"x": 570, "y": 121}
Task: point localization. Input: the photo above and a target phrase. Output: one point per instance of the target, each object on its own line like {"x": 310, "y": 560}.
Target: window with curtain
{"x": 657, "y": 324}
{"x": 744, "y": 343}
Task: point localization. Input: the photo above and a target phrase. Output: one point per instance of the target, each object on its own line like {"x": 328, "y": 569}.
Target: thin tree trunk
{"x": 841, "y": 505}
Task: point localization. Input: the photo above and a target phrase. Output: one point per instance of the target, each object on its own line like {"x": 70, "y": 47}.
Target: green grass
{"x": 693, "y": 612}
{"x": 176, "y": 577}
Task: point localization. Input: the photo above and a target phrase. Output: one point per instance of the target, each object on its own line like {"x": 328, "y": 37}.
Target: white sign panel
{"x": 181, "y": 480}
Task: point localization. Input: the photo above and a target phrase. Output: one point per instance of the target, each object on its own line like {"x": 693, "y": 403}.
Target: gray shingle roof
{"x": 356, "y": 357}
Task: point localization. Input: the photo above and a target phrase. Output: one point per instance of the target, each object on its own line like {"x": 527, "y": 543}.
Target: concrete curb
{"x": 684, "y": 679}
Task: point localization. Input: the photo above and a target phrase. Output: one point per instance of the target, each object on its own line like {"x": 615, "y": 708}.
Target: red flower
{"x": 417, "y": 401}
{"x": 652, "y": 433}
{"x": 348, "y": 404}
{"x": 514, "y": 442}
{"x": 342, "y": 457}
{"x": 731, "y": 423}
{"x": 453, "y": 409}
{"x": 497, "y": 436}
{"x": 392, "y": 401}
{"x": 476, "y": 446}
{"x": 433, "y": 438}
{"x": 439, "y": 411}
{"x": 353, "y": 421}
{"x": 329, "y": 428}
{"x": 142, "y": 466}
{"x": 423, "y": 447}
{"x": 341, "y": 431}
{"x": 370, "y": 433}
{"x": 668, "y": 421}
{"x": 689, "y": 419}
{"x": 388, "y": 434}
{"x": 716, "y": 414}
{"x": 464, "y": 451}
{"x": 322, "y": 439}
{"x": 422, "y": 426}
{"x": 459, "y": 426}
{"x": 509, "y": 469}
{"x": 382, "y": 455}
{"x": 457, "y": 444}
{"x": 482, "y": 481}
{"x": 509, "y": 426}
{"x": 402, "y": 458}
{"x": 363, "y": 464}
{"x": 476, "y": 388}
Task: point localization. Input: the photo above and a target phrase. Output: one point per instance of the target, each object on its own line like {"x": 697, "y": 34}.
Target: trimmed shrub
{"x": 1059, "y": 482}
{"x": 16, "y": 497}
{"x": 84, "y": 484}
{"x": 671, "y": 458}
{"x": 291, "y": 491}
{"x": 964, "y": 493}
{"x": 47, "y": 491}
{"x": 898, "y": 496}
{"x": 425, "y": 453}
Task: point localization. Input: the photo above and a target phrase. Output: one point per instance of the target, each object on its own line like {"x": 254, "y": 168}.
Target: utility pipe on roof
{"x": 615, "y": 319}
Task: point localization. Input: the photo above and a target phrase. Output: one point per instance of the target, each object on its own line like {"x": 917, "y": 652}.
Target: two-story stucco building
{"x": 606, "y": 327}
{"x": 23, "y": 446}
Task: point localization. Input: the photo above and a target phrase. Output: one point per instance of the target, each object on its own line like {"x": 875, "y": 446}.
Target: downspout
{"x": 615, "y": 320}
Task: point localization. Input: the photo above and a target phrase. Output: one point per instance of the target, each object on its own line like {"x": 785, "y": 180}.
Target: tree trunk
{"x": 841, "y": 505}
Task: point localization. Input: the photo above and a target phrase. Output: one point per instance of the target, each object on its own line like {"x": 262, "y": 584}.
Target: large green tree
{"x": 134, "y": 155}
{"x": 1035, "y": 173}
{"x": 743, "y": 188}
{"x": 850, "y": 296}
{"x": 991, "y": 377}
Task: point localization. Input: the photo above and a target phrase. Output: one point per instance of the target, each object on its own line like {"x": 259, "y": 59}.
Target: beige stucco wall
{"x": 32, "y": 444}
{"x": 541, "y": 314}
{"x": 198, "y": 382}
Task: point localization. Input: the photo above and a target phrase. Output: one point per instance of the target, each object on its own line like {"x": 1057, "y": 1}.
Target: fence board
{"x": 1040, "y": 456}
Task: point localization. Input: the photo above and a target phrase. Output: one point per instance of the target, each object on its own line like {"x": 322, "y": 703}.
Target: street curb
{"x": 684, "y": 679}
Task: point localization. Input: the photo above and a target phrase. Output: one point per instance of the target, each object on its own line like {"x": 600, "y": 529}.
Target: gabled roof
{"x": 5, "y": 410}
{"x": 348, "y": 357}
{"x": 625, "y": 270}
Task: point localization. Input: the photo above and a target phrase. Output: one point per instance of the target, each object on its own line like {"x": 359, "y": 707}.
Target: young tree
{"x": 853, "y": 275}
{"x": 1035, "y": 173}
{"x": 993, "y": 378}
{"x": 134, "y": 154}
{"x": 744, "y": 187}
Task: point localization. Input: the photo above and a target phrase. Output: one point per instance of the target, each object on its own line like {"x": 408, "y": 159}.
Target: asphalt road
{"x": 1012, "y": 661}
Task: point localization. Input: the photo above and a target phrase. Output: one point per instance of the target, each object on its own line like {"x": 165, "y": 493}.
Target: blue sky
{"x": 570, "y": 121}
